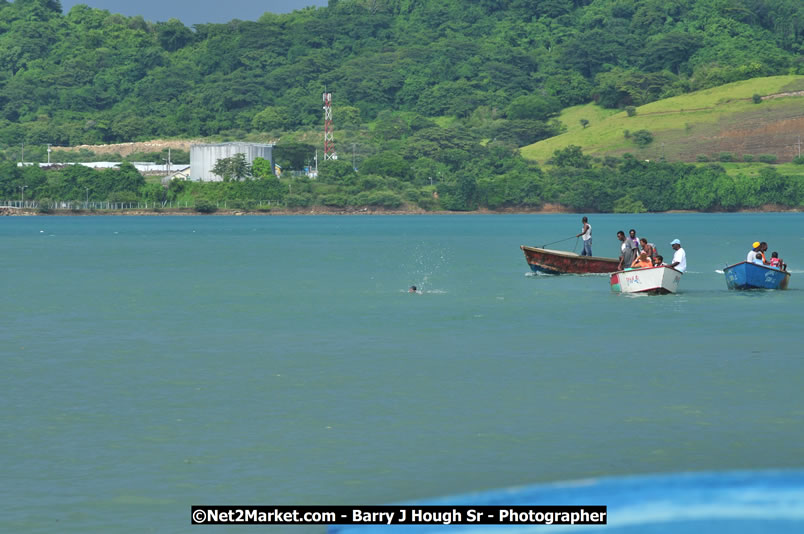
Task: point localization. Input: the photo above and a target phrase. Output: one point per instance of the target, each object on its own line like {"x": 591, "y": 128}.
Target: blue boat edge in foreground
{"x": 745, "y": 275}
{"x": 738, "y": 502}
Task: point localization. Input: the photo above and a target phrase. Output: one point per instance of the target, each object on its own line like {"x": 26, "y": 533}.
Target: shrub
{"x": 301, "y": 200}
{"x": 643, "y": 138}
{"x": 428, "y": 203}
{"x": 336, "y": 200}
{"x": 627, "y": 134}
{"x": 725, "y": 156}
{"x": 798, "y": 160}
{"x": 45, "y": 205}
{"x": 242, "y": 204}
{"x": 386, "y": 199}
{"x": 703, "y": 158}
{"x": 411, "y": 194}
{"x": 748, "y": 157}
{"x": 383, "y": 198}
{"x": 628, "y": 204}
{"x": 756, "y": 98}
{"x": 205, "y": 206}
{"x": 584, "y": 123}
{"x": 631, "y": 110}
{"x": 122, "y": 197}
{"x": 768, "y": 158}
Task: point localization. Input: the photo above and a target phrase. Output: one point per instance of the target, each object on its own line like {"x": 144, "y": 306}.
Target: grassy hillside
{"x": 708, "y": 122}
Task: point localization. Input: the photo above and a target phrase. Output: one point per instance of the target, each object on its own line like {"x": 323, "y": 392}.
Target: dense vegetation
{"x": 430, "y": 95}
{"x": 577, "y": 181}
{"x": 91, "y": 76}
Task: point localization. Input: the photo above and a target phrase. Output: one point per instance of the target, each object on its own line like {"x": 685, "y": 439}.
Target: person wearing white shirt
{"x": 586, "y": 234}
{"x": 752, "y": 254}
{"x": 679, "y": 262}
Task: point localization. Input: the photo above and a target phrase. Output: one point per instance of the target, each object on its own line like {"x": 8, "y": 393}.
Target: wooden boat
{"x": 560, "y": 262}
{"x": 652, "y": 280}
{"x": 746, "y": 275}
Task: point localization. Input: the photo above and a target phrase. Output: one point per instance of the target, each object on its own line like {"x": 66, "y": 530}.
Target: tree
{"x": 128, "y": 178}
{"x": 584, "y": 123}
{"x": 671, "y": 50}
{"x": 347, "y": 116}
{"x": 337, "y": 172}
{"x": 261, "y": 168}
{"x": 459, "y": 195}
{"x": 534, "y": 107}
{"x": 293, "y": 155}
{"x": 386, "y": 163}
{"x": 642, "y": 138}
{"x": 523, "y": 132}
{"x": 232, "y": 168}
{"x": 696, "y": 189}
{"x": 629, "y": 204}
{"x": 571, "y": 156}
{"x": 270, "y": 118}
{"x": 152, "y": 193}
{"x": 173, "y": 35}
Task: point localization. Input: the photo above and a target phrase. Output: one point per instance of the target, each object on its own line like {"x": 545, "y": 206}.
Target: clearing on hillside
{"x": 705, "y": 123}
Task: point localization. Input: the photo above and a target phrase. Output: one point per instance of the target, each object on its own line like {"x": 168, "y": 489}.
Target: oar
{"x": 559, "y": 241}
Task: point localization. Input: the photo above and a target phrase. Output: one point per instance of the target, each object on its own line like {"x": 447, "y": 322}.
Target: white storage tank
{"x": 204, "y": 157}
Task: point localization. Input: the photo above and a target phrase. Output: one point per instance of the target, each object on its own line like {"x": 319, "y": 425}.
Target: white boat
{"x": 653, "y": 280}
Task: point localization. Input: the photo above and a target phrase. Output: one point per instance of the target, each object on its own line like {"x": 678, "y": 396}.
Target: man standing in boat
{"x": 629, "y": 251}
{"x": 586, "y": 234}
{"x": 679, "y": 256}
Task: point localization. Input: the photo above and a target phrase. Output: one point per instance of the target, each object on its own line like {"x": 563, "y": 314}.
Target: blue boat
{"x": 746, "y": 275}
{"x": 736, "y": 502}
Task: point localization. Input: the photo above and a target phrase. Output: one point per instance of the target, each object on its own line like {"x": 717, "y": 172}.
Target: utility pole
{"x": 799, "y": 145}
{"x": 48, "y": 153}
{"x": 168, "y": 162}
{"x": 353, "y": 156}
{"x": 87, "y": 204}
{"x": 22, "y": 193}
{"x": 22, "y": 155}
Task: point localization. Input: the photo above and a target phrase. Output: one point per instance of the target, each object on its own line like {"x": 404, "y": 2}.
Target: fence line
{"x": 118, "y": 206}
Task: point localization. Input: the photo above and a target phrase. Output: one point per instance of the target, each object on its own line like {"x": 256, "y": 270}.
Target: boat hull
{"x": 651, "y": 280}
{"x": 548, "y": 261}
{"x": 746, "y": 275}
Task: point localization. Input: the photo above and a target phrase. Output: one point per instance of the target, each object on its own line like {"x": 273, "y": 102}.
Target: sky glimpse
{"x": 192, "y": 12}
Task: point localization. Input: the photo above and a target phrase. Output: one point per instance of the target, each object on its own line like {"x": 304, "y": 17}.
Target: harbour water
{"x": 153, "y": 363}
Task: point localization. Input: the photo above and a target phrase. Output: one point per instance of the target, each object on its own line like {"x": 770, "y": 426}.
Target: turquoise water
{"x": 158, "y": 362}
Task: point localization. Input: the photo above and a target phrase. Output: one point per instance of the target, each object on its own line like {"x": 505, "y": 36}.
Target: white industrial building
{"x": 204, "y": 157}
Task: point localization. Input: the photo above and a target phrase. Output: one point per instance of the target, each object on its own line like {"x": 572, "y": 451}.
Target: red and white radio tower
{"x": 329, "y": 143}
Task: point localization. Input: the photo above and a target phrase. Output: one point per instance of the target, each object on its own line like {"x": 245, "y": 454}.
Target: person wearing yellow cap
{"x": 752, "y": 254}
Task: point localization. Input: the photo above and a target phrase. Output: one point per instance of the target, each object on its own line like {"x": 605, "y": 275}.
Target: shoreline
{"x": 322, "y": 210}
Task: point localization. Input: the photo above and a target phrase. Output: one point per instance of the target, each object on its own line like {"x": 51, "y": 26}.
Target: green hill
{"x": 432, "y": 100}
{"x": 705, "y": 123}
{"x": 91, "y": 77}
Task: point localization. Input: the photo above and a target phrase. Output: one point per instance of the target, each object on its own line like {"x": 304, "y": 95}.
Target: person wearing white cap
{"x": 679, "y": 262}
